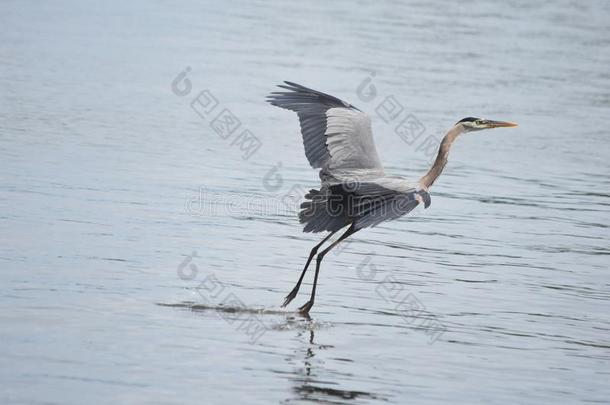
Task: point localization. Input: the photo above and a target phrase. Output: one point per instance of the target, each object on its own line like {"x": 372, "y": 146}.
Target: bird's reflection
{"x": 313, "y": 381}
{"x": 314, "y": 376}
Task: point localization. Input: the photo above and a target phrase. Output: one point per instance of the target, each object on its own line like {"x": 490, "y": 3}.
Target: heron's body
{"x": 355, "y": 191}
{"x": 360, "y": 203}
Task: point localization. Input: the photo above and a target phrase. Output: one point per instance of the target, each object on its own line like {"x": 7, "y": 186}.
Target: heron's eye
{"x": 479, "y": 122}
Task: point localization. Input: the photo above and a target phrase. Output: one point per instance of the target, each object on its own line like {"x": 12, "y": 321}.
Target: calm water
{"x": 499, "y": 293}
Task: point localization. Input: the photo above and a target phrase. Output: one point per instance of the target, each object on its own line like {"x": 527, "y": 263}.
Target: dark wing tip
{"x": 303, "y": 91}
{"x": 293, "y": 84}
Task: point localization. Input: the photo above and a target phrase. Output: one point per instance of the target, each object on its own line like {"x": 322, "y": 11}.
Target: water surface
{"x": 102, "y": 165}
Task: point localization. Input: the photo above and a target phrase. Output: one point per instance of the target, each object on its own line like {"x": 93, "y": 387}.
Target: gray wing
{"x": 363, "y": 204}
{"x": 385, "y": 200}
{"x": 337, "y": 136}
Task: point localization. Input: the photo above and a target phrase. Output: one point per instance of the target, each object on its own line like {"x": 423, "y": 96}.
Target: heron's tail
{"x": 317, "y": 214}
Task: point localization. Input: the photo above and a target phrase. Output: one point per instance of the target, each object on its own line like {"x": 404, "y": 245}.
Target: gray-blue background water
{"x": 500, "y": 291}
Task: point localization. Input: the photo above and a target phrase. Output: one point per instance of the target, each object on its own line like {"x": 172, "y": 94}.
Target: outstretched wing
{"x": 370, "y": 203}
{"x": 363, "y": 204}
{"x": 336, "y": 135}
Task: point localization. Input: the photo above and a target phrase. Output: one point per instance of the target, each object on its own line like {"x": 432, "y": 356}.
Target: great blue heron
{"x": 355, "y": 190}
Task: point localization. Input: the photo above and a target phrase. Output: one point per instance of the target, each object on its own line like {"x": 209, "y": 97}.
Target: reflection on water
{"x": 309, "y": 385}
{"x": 102, "y": 163}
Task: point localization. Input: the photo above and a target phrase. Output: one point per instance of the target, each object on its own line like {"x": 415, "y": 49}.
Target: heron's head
{"x": 476, "y": 124}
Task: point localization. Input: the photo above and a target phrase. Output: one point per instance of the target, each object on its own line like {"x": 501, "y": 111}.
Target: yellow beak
{"x": 500, "y": 124}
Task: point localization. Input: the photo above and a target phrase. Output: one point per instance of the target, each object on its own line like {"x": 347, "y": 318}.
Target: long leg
{"x": 295, "y": 290}
{"x": 305, "y": 308}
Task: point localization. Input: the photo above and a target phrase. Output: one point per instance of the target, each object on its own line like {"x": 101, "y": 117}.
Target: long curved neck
{"x": 441, "y": 159}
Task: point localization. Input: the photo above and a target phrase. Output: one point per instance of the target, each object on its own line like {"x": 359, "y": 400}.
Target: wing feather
{"x": 380, "y": 201}
{"x": 336, "y": 135}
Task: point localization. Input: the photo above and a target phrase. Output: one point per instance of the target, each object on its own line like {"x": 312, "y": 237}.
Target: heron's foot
{"x": 290, "y": 296}
{"x": 305, "y": 308}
